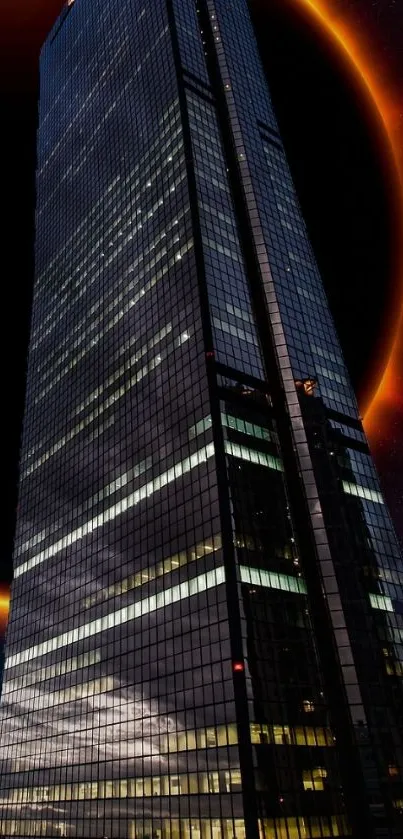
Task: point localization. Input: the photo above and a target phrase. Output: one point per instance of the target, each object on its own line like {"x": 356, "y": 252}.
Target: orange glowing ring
{"x": 4, "y": 608}
{"x": 4, "y": 599}
{"x": 351, "y": 49}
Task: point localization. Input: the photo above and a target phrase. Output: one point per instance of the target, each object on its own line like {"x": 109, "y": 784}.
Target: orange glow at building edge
{"x": 4, "y": 608}
{"x": 384, "y": 390}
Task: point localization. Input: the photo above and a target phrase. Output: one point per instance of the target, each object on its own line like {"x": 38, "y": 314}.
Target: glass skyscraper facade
{"x": 206, "y": 632}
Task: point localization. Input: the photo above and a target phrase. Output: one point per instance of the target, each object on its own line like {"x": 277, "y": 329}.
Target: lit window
{"x": 270, "y": 579}
{"x": 363, "y": 492}
{"x": 253, "y": 456}
{"x": 294, "y": 827}
{"x": 141, "y": 607}
{"x": 313, "y": 779}
{"x": 283, "y": 735}
{"x": 380, "y": 601}
{"x": 117, "y": 509}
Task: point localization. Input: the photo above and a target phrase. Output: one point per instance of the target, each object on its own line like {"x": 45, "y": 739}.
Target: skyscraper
{"x": 206, "y": 629}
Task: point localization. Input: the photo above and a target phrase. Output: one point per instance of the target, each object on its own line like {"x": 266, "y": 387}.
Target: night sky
{"x": 345, "y": 177}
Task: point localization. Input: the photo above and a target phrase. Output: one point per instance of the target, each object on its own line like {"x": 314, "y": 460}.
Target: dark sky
{"x": 339, "y": 163}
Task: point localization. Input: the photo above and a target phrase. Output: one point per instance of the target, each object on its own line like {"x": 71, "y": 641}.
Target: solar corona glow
{"x": 352, "y": 45}
{"x": 4, "y": 607}
{"x": 206, "y": 627}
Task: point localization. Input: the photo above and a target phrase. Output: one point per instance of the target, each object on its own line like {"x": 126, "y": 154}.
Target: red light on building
{"x": 210, "y": 354}
{"x": 238, "y": 667}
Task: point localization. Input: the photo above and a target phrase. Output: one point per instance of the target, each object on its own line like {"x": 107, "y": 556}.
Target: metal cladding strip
{"x": 326, "y": 565}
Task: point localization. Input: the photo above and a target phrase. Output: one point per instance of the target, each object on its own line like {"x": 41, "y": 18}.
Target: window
{"x": 313, "y": 779}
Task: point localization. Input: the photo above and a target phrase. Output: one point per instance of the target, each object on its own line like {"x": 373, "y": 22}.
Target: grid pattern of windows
{"x": 127, "y": 613}
{"x": 357, "y": 554}
{"x": 119, "y": 655}
{"x": 235, "y": 337}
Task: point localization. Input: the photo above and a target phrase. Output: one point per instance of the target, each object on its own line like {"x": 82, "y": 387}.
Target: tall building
{"x": 206, "y": 628}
